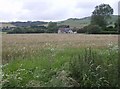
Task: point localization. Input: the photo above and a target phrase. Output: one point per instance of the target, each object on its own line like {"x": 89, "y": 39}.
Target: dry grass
{"x": 58, "y": 40}
{"x": 15, "y": 45}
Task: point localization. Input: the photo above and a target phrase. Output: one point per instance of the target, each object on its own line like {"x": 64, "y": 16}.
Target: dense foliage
{"x": 117, "y": 24}
{"x": 90, "y": 29}
{"x": 100, "y": 23}
{"x": 69, "y": 68}
{"x": 52, "y": 27}
{"x": 101, "y": 14}
{"x": 32, "y": 29}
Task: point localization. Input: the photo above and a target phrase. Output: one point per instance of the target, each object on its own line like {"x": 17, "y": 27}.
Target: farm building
{"x": 7, "y": 25}
{"x": 65, "y": 30}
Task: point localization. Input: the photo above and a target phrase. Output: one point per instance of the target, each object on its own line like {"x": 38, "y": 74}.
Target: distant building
{"x": 6, "y": 26}
{"x": 65, "y": 30}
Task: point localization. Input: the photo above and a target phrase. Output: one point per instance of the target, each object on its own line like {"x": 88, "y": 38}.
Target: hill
{"x": 8, "y": 25}
{"x": 79, "y": 23}
{"x": 72, "y": 22}
{"x": 23, "y": 24}
{"x": 29, "y": 23}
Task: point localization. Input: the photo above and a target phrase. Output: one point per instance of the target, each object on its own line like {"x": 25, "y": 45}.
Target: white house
{"x": 65, "y": 30}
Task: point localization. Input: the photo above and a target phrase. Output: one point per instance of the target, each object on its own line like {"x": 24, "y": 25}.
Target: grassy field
{"x": 59, "y": 60}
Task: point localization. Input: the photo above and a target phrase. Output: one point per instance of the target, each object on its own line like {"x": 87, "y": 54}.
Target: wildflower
{"x": 46, "y": 44}
{"x": 98, "y": 67}
{"x": 36, "y": 67}
{"x": 37, "y": 76}
{"x": 18, "y": 73}
{"x": 91, "y": 61}
{"x": 106, "y": 81}
{"x": 4, "y": 65}
{"x": 96, "y": 75}
{"x": 89, "y": 70}
{"x": 110, "y": 44}
{"x": 101, "y": 78}
{"x": 105, "y": 70}
{"x": 115, "y": 48}
{"x": 52, "y": 49}
{"x": 110, "y": 65}
{"x": 21, "y": 65}
{"x": 22, "y": 69}
{"x": 43, "y": 70}
{"x": 3, "y": 75}
{"x": 53, "y": 55}
{"x": 19, "y": 78}
{"x": 24, "y": 48}
{"x": 91, "y": 65}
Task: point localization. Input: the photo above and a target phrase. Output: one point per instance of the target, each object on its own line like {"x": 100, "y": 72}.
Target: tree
{"x": 117, "y": 24}
{"x": 52, "y": 27}
{"x": 101, "y": 14}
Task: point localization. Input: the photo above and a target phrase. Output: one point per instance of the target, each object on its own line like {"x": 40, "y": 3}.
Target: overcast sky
{"x": 49, "y": 10}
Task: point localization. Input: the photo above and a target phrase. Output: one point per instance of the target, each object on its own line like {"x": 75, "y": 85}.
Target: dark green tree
{"x": 101, "y": 14}
{"x": 52, "y": 27}
{"x": 117, "y": 24}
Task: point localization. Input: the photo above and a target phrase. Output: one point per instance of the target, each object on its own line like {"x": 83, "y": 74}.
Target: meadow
{"x": 59, "y": 60}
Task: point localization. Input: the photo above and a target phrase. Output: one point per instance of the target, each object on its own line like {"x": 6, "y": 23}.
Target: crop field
{"x": 59, "y": 60}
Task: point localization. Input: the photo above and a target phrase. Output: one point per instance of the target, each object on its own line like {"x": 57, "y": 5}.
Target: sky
{"x": 49, "y": 10}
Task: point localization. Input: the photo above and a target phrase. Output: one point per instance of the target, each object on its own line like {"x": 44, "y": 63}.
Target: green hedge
{"x": 26, "y": 30}
{"x": 109, "y": 32}
{"x": 90, "y": 29}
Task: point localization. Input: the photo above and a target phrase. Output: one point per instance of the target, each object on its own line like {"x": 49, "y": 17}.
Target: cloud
{"x": 49, "y": 10}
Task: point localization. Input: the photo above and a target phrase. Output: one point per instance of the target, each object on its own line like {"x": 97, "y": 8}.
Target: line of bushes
{"x": 109, "y": 32}
{"x": 32, "y": 29}
{"x": 90, "y": 29}
{"x": 95, "y": 29}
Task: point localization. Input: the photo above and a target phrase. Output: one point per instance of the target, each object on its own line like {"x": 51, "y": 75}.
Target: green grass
{"x": 79, "y": 23}
{"x": 66, "y": 67}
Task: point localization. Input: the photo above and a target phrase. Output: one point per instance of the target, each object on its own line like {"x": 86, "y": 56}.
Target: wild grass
{"x": 30, "y": 63}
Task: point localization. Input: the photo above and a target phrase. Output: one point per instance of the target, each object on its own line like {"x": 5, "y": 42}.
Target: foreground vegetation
{"x": 61, "y": 63}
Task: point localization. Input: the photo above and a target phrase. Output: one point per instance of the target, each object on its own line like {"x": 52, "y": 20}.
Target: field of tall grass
{"x": 59, "y": 60}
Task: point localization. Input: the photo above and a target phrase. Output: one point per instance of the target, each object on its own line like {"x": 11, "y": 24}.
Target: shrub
{"x": 93, "y": 29}
{"x": 82, "y": 30}
{"x": 27, "y": 30}
{"x": 110, "y": 28}
{"x": 109, "y": 32}
{"x": 52, "y": 27}
{"x": 92, "y": 70}
{"x": 90, "y": 29}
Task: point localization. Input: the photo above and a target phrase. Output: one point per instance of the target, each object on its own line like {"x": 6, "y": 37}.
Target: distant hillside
{"x": 72, "y": 22}
{"x": 79, "y": 23}
{"x": 22, "y": 24}
{"x": 29, "y": 23}
{"x": 8, "y": 25}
